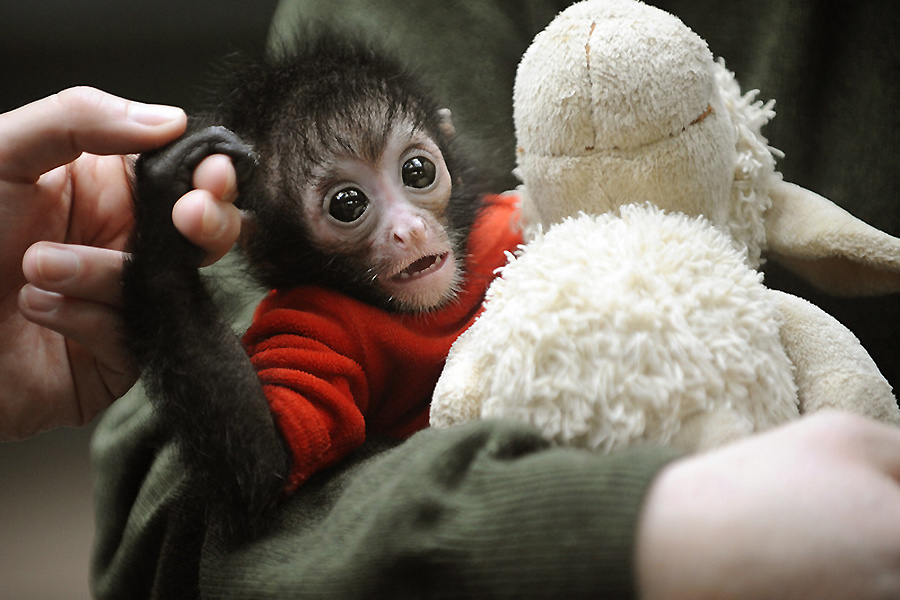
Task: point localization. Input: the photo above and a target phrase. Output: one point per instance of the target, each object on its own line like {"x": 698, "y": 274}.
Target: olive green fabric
{"x": 489, "y": 510}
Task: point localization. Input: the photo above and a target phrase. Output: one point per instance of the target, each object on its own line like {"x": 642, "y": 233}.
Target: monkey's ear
{"x": 446, "y": 123}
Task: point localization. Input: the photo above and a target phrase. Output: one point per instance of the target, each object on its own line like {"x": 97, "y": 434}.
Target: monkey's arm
{"x": 194, "y": 367}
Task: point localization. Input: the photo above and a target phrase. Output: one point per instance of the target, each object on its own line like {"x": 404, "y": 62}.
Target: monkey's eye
{"x": 418, "y": 172}
{"x": 348, "y": 204}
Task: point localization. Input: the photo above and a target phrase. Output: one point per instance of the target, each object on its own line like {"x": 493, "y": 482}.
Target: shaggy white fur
{"x": 754, "y": 167}
{"x": 600, "y": 335}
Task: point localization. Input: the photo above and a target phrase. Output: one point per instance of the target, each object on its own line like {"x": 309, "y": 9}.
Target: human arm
{"x": 65, "y": 216}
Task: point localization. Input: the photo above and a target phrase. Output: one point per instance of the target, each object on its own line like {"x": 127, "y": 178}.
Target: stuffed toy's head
{"x": 617, "y": 102}
{"x": 636, "y": 311}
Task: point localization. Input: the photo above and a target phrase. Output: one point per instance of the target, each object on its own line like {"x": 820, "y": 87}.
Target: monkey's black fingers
{"x": 162, "y": 177}
{"x": 174, "y": 165}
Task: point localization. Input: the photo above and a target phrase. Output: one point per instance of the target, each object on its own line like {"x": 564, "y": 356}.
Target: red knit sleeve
{"x": 317, "y": 395}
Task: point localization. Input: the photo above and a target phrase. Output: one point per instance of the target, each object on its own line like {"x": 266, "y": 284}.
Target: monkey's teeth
{"x": 421, "y": 267}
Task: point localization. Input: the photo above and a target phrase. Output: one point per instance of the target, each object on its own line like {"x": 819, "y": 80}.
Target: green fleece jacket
{"x": 489, "y": 510}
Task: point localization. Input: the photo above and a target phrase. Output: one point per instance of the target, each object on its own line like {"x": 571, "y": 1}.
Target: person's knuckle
{"x": 80, "y": 98}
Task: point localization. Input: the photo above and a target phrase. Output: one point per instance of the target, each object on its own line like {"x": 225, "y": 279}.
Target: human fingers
{"x": 75, "y": 291}
{"x": 80, "y": 272}
{"x": 207, "y": 215}
{"x": 101, "y": 365}
{"x": 216, "y": 175}
{"x": 55, "y": 130}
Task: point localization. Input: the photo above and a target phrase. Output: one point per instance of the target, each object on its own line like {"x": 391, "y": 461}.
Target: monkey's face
{"x": 389, "y": 213}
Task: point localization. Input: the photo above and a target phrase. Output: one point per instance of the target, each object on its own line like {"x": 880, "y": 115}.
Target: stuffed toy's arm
{"x": 833, "y": 370}
{"x": 459, "y": 391}
{"x": 828, "y": 246}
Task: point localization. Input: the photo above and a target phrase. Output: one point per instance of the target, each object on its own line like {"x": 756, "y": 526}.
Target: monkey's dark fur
{"x": 281, "y": 118}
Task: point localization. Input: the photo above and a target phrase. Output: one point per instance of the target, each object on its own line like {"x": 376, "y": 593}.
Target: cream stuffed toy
{"x": 636, "y": 312}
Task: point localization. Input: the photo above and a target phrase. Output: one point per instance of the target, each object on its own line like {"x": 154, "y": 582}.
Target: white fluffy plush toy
{"x": 636, "y": 312}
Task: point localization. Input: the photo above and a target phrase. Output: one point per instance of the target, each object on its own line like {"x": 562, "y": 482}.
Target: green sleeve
{"x": 488, "y": 510}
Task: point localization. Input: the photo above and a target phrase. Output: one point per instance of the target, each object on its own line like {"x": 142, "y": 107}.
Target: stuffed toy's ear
{"x": 828, "y": 246}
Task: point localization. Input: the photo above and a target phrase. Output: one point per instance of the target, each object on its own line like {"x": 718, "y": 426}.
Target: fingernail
{"x": 231, "y": 186}
{"x": 57, "y": 264}
{"x": 153, "y": 114}
{"x": 214, "y": 222}
{"x": 38, "y": 300}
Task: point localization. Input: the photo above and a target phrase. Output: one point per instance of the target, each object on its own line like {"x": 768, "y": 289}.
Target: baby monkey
{"x": 374, "y": 243}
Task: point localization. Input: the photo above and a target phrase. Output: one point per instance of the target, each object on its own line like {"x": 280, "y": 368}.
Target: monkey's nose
{"x": 410, "y": 232}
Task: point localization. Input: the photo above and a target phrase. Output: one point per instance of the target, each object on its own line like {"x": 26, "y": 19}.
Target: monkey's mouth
{"x": 421, "y": 267}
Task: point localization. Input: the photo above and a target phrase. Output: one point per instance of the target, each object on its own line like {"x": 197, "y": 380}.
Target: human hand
{"x": 809, "y": 510}
{"x": 65, "y": 215}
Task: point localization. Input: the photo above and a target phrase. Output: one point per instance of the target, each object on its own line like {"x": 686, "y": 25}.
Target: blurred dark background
{"x": 153, "y": 51}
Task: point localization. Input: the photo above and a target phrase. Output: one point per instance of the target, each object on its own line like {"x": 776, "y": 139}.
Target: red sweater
{"x": 333, "y": 367}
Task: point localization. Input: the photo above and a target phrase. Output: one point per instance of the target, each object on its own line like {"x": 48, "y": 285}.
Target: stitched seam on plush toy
{"x": 587, "y": 53}
{"x": 621, "y": 152}
{"x": 709, "y": 110}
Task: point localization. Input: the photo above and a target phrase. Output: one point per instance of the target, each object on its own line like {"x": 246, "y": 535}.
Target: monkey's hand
{"x": 165, "y": 175}
{"x": 194, "y": 368}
